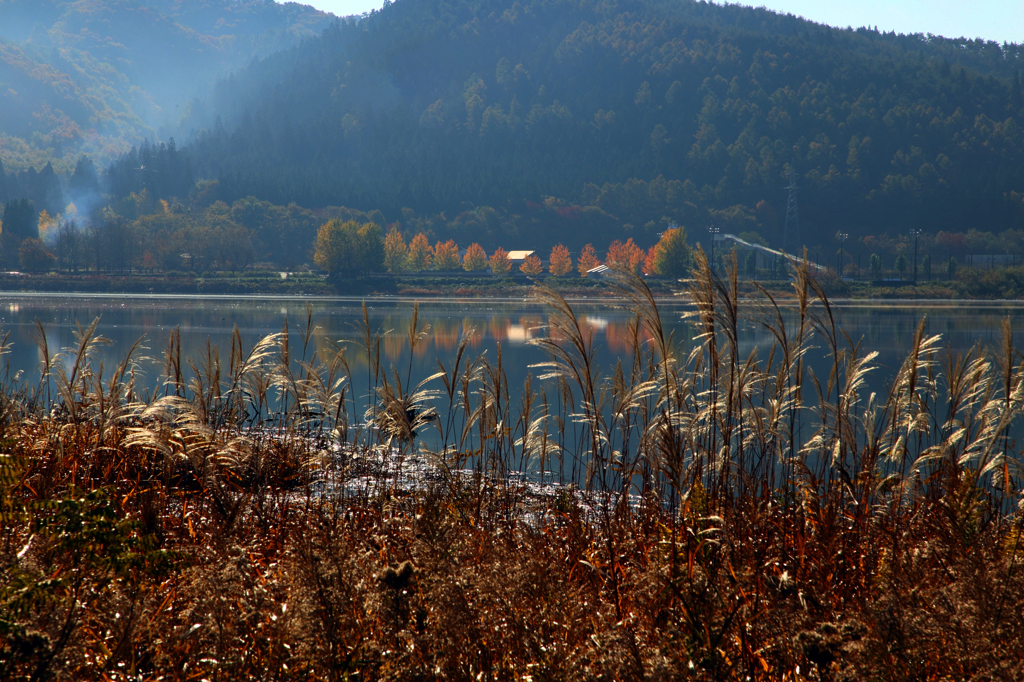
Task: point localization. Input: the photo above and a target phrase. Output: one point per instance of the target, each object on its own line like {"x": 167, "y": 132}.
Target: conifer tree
{"x": 20, "y": 220}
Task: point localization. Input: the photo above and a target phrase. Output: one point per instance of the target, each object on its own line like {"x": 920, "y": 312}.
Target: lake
{"x": 886, "y": 327}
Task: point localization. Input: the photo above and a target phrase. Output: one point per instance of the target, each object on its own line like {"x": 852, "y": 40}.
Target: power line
{"x": 791, "y": 240}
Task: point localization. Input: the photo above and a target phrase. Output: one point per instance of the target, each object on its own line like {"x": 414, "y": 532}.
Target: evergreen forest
{"x": 545, "y": 122}
{"x": 641, "y": 113}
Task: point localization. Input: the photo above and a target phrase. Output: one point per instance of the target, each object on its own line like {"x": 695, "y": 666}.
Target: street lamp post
{"x": 842, "y": 241}
{"x": 713, "y": 231}
{"x": 915, "y": 233}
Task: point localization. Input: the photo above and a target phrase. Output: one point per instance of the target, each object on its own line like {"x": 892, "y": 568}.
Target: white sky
{"x": 999, "y": 20}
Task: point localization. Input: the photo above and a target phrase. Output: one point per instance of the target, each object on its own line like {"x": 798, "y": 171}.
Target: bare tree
{"x": 69, "y": 246}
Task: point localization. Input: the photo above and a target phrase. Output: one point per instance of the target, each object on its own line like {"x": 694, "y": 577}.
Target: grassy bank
{"x": 1006, "y": 284}
{"x": 255, "y": 282}
{"x": 717, "y": 516}
{"x": 301, "y": 283}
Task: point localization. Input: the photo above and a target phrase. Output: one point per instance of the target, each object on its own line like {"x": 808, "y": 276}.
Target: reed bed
{"x": 715, "y": 516}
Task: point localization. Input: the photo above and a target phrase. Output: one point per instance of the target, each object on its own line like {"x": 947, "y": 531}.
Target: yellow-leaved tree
{"x": 420, "y": 253}
{"x": 672, "y": 255}
{"x": 396, "y": 253}
{"x": 446, "y": 255}
{"x": 348, "y": 248}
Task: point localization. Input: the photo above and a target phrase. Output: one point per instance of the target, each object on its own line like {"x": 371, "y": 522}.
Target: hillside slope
{"x": 95, "y": 76}
{"x": 649, "y": 110}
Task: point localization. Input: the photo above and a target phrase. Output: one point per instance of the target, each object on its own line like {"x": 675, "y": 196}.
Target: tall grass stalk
{"x": 719, "y": 515}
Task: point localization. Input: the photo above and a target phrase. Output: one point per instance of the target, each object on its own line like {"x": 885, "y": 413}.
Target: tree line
{"x": 348, "y": 248}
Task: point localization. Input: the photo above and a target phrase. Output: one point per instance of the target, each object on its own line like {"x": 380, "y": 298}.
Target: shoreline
{"x": 454, "y": 287}
{"x": 679, "y": 298}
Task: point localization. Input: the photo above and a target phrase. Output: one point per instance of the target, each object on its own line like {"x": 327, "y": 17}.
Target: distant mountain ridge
{"x": 648, "y": 110}
{"x": 95, "y": 76}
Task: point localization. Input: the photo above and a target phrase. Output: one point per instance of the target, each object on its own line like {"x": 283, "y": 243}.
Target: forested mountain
{"x": 96, "y": 76}
{"x": 639, "y": 111}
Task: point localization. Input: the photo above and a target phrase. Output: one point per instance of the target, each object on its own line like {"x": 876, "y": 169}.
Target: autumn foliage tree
{"x": 587, "y": 260}
{"x": 650, "y": 264}
{"x": 672, "y": 255}
{"x": 446, "y": 255}
{"x": 627, "y": 255}
{"x": 500, "y": 264}
{"x": 34, "y": 257}
{"x": 475, "y": 258}
{"x": 420, "y": 253}
{"x": 560, "y": 263}
{"x": 396, "y": 253}
{"x": 532, "y": 266}
{"x": 349, "y": 248}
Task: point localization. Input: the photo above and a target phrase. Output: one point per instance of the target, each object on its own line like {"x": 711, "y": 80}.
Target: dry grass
{"x": 724, "y": 517}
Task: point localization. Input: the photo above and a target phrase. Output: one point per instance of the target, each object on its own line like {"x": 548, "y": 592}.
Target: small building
{"x": 517, "y": 257}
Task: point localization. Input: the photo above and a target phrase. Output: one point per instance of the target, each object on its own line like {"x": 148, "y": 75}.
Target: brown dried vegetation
{"x": 724, "y": 517}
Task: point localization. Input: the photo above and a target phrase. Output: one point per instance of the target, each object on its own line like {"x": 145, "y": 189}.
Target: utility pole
{"x": 713, "y": 231}
{"x": 915, "y": 233}
{"x": 842, "y": 241}
{"x": 791, "y": 237}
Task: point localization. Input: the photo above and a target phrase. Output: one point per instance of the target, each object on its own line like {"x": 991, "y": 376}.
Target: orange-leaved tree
{"x": 627, "y": 255}
{"x": 396, "y": 253}
{"x": 475, "y": 258}
{"x": 532, "y": 266}
{"x": 649, "y": 265}
{"x": 420, "y": 253}
{"x": 561, "y": 262}
{"x": 587, "y": 260}
{"x": 500, "y": 264}
{"x": 446, "y": 255}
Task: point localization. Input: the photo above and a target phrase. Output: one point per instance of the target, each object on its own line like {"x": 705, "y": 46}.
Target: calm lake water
{"x": 885, "y": 327}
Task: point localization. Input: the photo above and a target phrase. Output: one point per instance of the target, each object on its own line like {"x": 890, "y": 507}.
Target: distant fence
{"x": 991, "y": 262}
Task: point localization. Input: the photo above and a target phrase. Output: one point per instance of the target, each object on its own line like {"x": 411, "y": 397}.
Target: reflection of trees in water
{"x": 620, "y": 336}
{"x": 443, "y": 336}
{"x": 498, "y": 326}
{"x": 392, "y": 346}
{"x": 445, "y": 333}
{"x": 476, "y": 337}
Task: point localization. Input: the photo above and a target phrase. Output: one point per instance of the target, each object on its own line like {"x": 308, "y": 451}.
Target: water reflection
{"x": 886, "y": 328}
